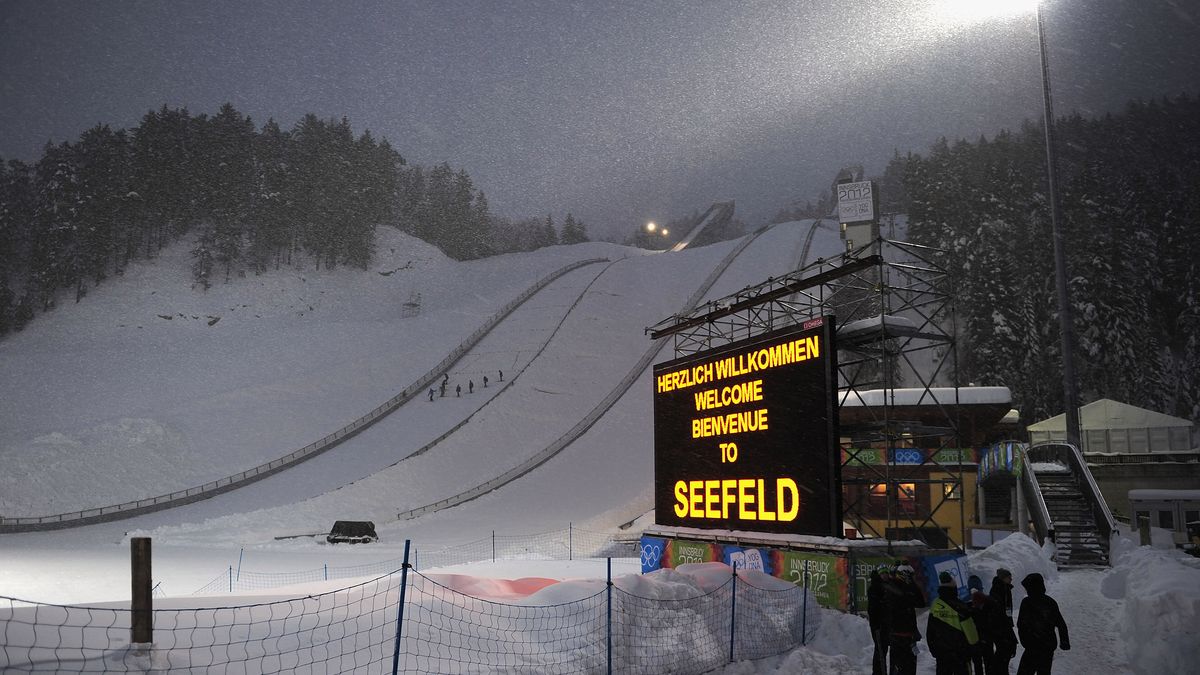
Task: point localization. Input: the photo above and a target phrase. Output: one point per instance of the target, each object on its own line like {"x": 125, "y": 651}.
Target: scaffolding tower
{"x": 898, "y": 402}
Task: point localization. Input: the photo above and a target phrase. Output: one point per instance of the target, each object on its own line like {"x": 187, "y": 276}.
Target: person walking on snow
{"x": 470, "y": 386}
{"x": 902, "y": 598}
{"x": 431, "y": 393}
{"x": 950, "y": 632}
{"x": 485, "y": 381}
{"x": 1000, "y": 623}
{"x": 877, "y": 617}
{"x": 502, "y": 376}
{"x": 980, "y": 603}
{"x": 458, "y": 390}
{"x": 1036, "y": 622}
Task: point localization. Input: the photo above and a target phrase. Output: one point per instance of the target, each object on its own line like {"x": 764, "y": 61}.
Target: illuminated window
{"x": 906, "y": 498}
{"x": 952, "y": 490}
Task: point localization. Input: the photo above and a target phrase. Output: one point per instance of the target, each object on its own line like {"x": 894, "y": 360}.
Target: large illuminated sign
{"x": 745, "y": 436}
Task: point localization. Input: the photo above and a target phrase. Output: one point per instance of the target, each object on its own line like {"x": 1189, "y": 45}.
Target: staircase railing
{"x": 1038, "y": 511}
{"x": 1071, "y": 456}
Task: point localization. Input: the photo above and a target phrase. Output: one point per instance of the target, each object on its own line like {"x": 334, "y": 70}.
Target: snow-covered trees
{"x": 1131, "y": 215}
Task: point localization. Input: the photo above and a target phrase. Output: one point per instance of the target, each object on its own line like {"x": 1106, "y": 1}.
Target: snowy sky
{"x": 619, "y": 112}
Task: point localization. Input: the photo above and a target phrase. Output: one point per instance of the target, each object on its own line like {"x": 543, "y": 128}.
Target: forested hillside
{"x": 250, "y": 199}
{"x": 1130, "y": 191}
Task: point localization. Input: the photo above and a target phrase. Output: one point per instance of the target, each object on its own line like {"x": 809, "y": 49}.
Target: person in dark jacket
{"x": 876, "y": 616}
{"x": 1000, "y": 623}
{"x": 1036, "y": 622}
{"x": 902, "y": 597}
{"x": 980, "y": 603}
{"x": 950, "y": 632}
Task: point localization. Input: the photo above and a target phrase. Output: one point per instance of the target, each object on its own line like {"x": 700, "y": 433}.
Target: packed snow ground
{"x": 116, "y": 401}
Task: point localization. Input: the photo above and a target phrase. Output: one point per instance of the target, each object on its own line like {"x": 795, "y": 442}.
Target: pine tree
{"x": 548, "y": 235}
{"x": 573, "y": 231}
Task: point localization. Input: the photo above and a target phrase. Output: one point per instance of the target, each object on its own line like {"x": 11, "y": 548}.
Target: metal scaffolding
{"x": 892, "y": 302}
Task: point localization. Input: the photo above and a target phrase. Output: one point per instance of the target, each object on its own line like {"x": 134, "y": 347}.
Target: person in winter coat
{"x": 1000, "y": 623}
{"x": 1036, "y": 622}
{"x": 901, "y": 599}
{"x": 980, "y": 602}
{"x": 950, "y": 632}
{"x": 876, "y": 616}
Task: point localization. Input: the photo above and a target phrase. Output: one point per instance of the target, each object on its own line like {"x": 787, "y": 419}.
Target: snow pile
{"x": 1161, "y": 615}
{"x": 1049, "y": 467}
{"x": 1017, "y": 554}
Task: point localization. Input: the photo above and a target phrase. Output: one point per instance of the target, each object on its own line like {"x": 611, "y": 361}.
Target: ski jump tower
{"x": 902, "y": 424}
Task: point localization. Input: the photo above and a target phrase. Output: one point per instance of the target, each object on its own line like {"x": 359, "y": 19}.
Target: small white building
{"x": 1111, "y": 427}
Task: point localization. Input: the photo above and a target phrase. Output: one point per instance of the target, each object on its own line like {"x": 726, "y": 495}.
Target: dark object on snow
{"x": 352, "y": 532}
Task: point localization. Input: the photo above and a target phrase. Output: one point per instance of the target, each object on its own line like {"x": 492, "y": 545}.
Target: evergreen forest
{"x": 1130, "y": 205}
{"x": 247, "y": 199}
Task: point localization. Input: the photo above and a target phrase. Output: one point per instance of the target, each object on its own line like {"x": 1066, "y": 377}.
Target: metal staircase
{"x": 1076, "y": 535}
{"x": 1081, "y": 524}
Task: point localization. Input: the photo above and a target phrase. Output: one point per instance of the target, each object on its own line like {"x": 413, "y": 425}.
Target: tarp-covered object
{"x": 1112, "y": 427}
{"x": 352, "y": 532}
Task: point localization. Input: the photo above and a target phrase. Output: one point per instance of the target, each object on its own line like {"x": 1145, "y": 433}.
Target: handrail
{"x": 254, "y": 474}
{"x": 1087, "y": 483}
{"x": 592, "y": 417}
{"x": 1040, "y": 513}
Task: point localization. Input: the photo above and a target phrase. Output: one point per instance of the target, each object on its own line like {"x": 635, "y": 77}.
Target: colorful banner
{"x": 953, "y": 564}
{"x": 836, "y": 581}
{"x": 652, "y": 553}
{"x": 1001, "y": 457}
{"x": 823, "y": 575}
{"x": 681, "y": 552}
{"x": 907, "y": 456}
{"x": 748, "y": 558}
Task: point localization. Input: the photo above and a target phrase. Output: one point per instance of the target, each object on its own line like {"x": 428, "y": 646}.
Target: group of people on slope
{"x": 458, "y": 387}
{"x": 975, "y": 636}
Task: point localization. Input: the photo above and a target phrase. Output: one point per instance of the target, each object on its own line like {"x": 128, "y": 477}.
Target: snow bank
{"x": 1161, "y": 615}
{"x": 1017, "y": 554}
{"x": 1049, "y": 467}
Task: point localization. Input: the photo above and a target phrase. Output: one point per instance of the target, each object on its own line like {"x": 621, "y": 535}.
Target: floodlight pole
{"x": 1066, "y": 328}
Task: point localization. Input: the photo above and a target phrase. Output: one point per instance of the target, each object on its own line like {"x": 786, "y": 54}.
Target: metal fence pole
{"x": 231, "y": 578}
{"x": 733, "y": 613}
{"x": 570, "y": 541}
{"x": 609, "y": 622}
{"x": 804, "y": 609}
{"x": 400, "y": 609}
{"x": 493, "y": 546}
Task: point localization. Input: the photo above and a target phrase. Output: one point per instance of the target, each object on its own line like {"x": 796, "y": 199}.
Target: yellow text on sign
{"x": 794, "y": 351}
{"x": 743, "y": 497}
{"x": 737, "y": 394}
{"x": 733, "y": 423}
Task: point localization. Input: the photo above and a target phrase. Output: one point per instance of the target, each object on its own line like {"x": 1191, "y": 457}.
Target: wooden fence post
{"x": 142, "y": 615}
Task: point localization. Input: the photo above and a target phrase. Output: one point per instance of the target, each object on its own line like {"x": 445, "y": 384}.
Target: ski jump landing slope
{"x": 602, "y": 479}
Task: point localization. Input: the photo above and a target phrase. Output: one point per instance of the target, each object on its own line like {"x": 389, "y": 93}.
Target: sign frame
{"x": 791, "y": 461}
{"x": 858, "y": 202}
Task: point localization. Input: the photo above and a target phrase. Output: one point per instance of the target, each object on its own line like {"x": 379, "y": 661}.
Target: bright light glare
{"x": 978, "y": 11}
{"x": 665, "y": 232}
{"x": 650, "y": 227}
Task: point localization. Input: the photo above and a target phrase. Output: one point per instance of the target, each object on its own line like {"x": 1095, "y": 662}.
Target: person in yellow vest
{"x": 951, "y": 631}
